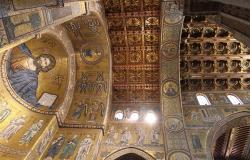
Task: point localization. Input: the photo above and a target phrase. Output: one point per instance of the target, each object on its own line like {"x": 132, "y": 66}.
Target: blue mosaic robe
{"x": 25, "y": 81}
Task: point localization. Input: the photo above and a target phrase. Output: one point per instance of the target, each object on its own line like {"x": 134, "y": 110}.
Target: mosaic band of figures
{"x": 17, "y": 124}
{"x": 67, "y": 147}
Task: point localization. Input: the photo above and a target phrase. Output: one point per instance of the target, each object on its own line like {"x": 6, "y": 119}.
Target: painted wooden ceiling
{"x": 135, "y": 33}
{"x": 211, "y": 58}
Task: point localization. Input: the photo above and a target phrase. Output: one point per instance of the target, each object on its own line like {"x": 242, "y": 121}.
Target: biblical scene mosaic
{"x": 92, "y": 71}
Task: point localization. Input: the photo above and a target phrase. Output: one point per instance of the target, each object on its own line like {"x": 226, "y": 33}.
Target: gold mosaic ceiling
{"x": 134, "y": 32}
{"x": 211, "y": 58}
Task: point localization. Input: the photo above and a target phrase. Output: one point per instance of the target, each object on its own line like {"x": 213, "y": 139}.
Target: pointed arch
{"x": 132, "y": 150}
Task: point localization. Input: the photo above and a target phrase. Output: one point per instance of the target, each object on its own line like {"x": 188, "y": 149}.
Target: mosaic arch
{"x": 36, "y": 72}
{"x": 231, "y": 121}
{"x": 125, "y": 151}
{"x": 92, "y": 53}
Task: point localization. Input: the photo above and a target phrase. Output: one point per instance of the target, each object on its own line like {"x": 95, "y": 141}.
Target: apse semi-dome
{"x": 37, "y": 72}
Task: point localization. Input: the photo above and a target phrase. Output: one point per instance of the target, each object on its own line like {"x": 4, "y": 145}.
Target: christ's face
{"x": 43, "y": 62}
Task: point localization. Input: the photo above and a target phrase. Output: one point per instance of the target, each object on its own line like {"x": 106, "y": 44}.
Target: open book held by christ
{"x": 47, "y": 99}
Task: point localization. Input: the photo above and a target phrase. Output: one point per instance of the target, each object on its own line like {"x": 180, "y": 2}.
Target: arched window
{"x": 118, "y": 115}
{"x": 234, "y": 99}
{"x": 134, "y": 116}
{"x": 202, "y": 99}
{"x": 150, "y": 117}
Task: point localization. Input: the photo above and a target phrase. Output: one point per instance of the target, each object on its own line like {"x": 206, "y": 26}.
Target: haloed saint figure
{"x": 23, "y": 71}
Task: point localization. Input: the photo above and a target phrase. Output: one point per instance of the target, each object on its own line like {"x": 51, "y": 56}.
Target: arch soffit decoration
{"x": 99, "y": 13}
{"x": 63, "y": 38}
{"x": 91, "y": 26}
{"x": 220, "y": 127}
{"x": 95, "y": 10}
{"x": 125, "y": 151}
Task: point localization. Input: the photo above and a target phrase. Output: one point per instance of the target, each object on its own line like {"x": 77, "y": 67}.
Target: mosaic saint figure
{"x": 155, "y": 135}
{"x": 127, "y": 113}
{"x": 102, "y": 108}
{"x": 81, "y": 107}
{"x": 170, "y": 90}
{"x": 4, "y": 113}
{"x": 111, "y": 135}
{"x": 41, "y": 146}
{"x": 33, "y": 130}
{"x": 85, "y": 146}
{"x": 23, "y": 72}
{"x": 91, "y": 55}
{"x": 55, "y": 147}
{"x": 196, "y": 142}
{"x": 13, "y": 127}
{"x": 125, "y": 137}
{"x": 91, "y": 115}
{"x": 69, "y": 148}
{"x": 141, "y": 136}
{"x": 4, "y": 110}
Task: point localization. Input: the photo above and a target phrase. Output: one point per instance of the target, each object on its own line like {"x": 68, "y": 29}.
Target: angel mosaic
{"x": 4, "y": 110}
{"x": 42, "y": 145}
{"x": 32, "y": 131}
{"x": 14, "y": 126}
{"x": 84, "y": 149}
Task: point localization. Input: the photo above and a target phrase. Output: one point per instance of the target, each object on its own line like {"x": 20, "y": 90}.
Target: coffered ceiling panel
{"x": 211, "y": 58}
{"x": 134, "y": 32}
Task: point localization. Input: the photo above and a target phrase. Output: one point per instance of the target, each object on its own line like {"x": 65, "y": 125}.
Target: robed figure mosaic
{"x": 23, "y": 70}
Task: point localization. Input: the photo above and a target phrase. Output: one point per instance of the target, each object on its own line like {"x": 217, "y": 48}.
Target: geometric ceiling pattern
{"x": 134, "y": 32}
{"x": 211, "y": 58}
